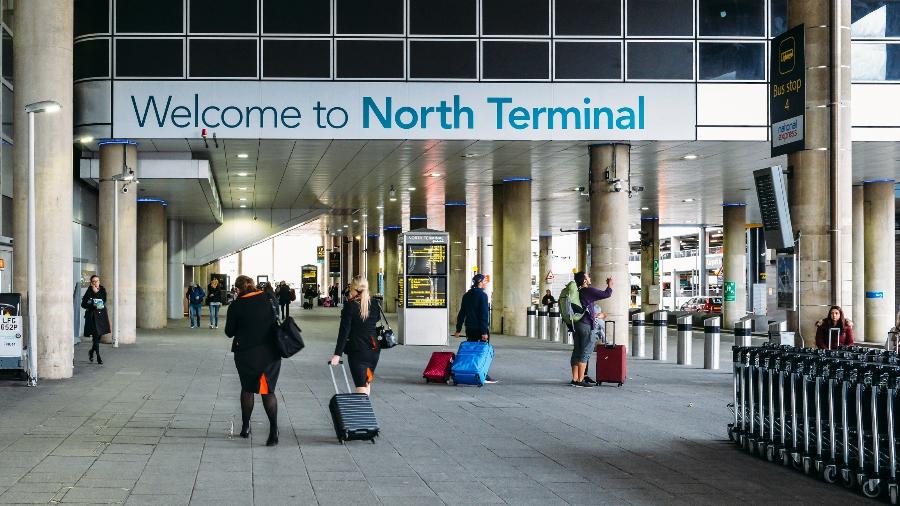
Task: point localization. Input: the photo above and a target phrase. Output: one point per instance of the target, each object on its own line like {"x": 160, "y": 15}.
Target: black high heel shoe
{"x": 99, "y": 360}
{"x": 245, "y": 431}
{"x": 91, "y": 355}
{"x": 273, "y": 438}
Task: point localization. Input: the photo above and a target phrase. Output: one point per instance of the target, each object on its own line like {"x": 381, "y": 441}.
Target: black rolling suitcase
{"x": 351, "y": 413}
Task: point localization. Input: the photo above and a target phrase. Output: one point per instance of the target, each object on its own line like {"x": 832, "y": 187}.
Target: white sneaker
{"x": 210, "y": 325}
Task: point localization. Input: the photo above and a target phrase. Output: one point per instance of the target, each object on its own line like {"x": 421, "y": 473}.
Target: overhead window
{"x": 875, "y": 18}
{"x": 91, "y": 58}
{"x": 660, "y": 60}
{"x": 660, "y": 18}
{"x": 369, "y": 17}
{"x": 429, "y": 59}
{"x": 588, "y": 17}
{"x": 875, "y": 62}
{"x": 588, "y": 60}
{"x": 91, "y": 16}
{"x": 222, "y": 57}
{"x": 296, "y": 17}
{"x": 141, "y": 16}
{"x": 223, "y": 16}
{"x": 372, "y": 59}
{"x": 515, "y": 17}
{"x": 443, "y": 17}
{"x": 512, "y": 60}
{"x": 731, "y": 18}
{"x": 296, "y": 58}
{"x": 150, "y": 57}
{"x": 732, "y": 61}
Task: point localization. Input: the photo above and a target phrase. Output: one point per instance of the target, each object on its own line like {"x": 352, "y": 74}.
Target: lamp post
{"x": 47, "y": 106}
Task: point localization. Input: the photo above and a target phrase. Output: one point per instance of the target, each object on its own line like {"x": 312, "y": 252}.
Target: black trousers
{"x": 285, "y": 310}
{"x": 475, "y": 334}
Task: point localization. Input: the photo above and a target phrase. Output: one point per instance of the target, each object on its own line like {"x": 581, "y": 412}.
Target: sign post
{"x": 787, "y": 92}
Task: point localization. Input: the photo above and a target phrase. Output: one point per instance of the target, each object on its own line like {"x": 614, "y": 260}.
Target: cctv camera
{"x": 617, "y": 186}
{"x": 124, "y": 189}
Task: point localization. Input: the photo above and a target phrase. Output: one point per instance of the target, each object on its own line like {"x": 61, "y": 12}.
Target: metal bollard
{"x": 660, "y": 335}
{"x": 532, "y": 321}
{"x": 742, "y": 333}
{"x": 775, "y": 330}
{"x": 555, "y": 323}
{"x": 712, "y": 337}
{"x": 638, "y": 330}
{"x": 685, "y": 336}
{"x": 543, "y": 328}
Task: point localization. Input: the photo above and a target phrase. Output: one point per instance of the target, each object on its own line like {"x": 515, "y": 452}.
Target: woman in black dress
{"x": 357, "y": 335}
{"x": 96, "y": 319}
{"x": 251, "y": 322}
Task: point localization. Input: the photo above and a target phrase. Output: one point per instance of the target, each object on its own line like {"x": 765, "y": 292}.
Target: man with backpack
{"x": 579, "y": 311}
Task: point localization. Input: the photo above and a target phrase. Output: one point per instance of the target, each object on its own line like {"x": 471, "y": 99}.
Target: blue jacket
{"x": 475, "y": 311}
{"x": 195, "y": 296}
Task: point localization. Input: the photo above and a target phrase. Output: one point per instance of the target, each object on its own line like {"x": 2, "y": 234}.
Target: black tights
{"x": 270, "y": 404}
{"x": 95, "y": 346}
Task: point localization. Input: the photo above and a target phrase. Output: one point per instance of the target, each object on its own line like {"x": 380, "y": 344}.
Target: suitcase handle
{"x": 334, "y": 382}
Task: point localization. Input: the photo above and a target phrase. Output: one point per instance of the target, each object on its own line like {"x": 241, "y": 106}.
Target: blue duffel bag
{"x": 470, "y": 367}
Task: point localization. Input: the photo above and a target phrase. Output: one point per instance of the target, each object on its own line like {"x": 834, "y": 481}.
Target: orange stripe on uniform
{"x": 263, "y": 384}
{"x": 369, "y": 375}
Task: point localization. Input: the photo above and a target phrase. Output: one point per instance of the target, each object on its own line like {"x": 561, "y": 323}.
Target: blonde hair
{"x": 361, "y": 286}
{"x": 214, "y": 283}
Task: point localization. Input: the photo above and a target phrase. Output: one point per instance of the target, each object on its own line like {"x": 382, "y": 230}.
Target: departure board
{"x": 426, "y": 259}
{"x": 426, "y": 292}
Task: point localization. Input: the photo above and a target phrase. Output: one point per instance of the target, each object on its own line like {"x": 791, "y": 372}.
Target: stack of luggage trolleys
{"x": 825, "y": 412}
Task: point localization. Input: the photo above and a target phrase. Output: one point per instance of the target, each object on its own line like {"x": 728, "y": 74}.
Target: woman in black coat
{"x": 357, "y": 336}
{"x": 96, "y": 318}
{"x": 251, "y": 322}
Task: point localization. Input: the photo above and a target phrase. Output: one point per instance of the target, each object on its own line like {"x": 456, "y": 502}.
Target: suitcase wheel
{"x": 620, "y": 385}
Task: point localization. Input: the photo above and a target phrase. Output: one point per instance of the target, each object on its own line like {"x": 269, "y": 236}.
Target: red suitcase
{"x": 611, "y": 364}
{"x": 438, "y": 368}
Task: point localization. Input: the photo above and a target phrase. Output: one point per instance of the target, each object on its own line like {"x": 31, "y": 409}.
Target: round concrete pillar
{"x": 734, "y": 262}
{"x": 151, "y": 266}
{"x": 581, "y": 260}
{"x": 43, "y": 70}
{"x": 497, "y": 261}
{"x": 879, "y": 259}
{"x": 545, "y": 263}
{"x": 391, "y": 286}
{"x": 112, "y": 158}
{"x": 859, "y": 269}
{"x": 455, "y": 224}
{"x": 373, "y": 261}
{"x": 175, "y": 271}
{"x": 650, "y": 264}
{"x": 609, "y": 233}
{"x": 516, "y": 256}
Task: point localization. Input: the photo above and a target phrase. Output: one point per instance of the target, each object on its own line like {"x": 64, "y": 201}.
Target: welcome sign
{"x": 366, "y": 110}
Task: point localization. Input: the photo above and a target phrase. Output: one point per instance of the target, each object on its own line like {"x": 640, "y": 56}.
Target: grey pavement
{"x": 153, "y": 426}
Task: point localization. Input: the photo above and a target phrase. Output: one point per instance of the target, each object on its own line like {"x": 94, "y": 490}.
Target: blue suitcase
{"x": 472, "y": 363}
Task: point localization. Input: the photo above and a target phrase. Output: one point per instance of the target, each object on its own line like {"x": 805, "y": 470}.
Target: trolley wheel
{"x": 871, "y": 488}
{"x": 807, "y": 466}
{"x": 731, "y": 431}
{"x": 892, "y": 494}
{"x": 830, "y": 474}
{"x": 849, "y": 482}
{"x": 770, "y": 453}
{"x": 620, "y": 385}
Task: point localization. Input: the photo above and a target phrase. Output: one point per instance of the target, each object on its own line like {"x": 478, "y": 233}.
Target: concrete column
{"x": 497, "y": 262}
{"x": 545, "y": 263}
{"x": 650, "y": 263}
{"x": 581, "y": 260}
{"x": 43, "y": 69}
{"x": 175, "y": 271}
{"x": 112, "y": 157}
{"x": 240, "y": 255}
{"x": 373, "y": 257}
{"x": 734, "y": 257}
{"x": 609, "y": 233}
{"x": 151, "y": 266}
{"x": 391, "y": 236}
{"x": 455, "y": 224}
{"x": 674, "y": 244}
{"x": 703, "y": 246}
{"x": 516, "y": 258}
{"x": 819, "y": 192}
{"x": 859, "y": 270}
{"x": 879, "y": 259}
{"x": 357, "y": 256}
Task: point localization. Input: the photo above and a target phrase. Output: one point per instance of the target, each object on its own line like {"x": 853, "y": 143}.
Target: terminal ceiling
{"x": 353, "y": 177}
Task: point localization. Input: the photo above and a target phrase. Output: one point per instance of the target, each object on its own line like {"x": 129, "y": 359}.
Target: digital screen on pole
{"x": 426, "y": 259}
{"x": 426, "y": 292}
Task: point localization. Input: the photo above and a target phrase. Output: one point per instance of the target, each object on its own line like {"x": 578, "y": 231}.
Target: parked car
{"x": 703, "y": 305}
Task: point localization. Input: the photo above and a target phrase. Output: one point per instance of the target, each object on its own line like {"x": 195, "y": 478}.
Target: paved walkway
{"x": 153, "y": 426}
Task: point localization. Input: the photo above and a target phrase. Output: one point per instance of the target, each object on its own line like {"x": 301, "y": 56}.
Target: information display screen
{"x": 426, "y": 259}
{"x": 425, "y": 292}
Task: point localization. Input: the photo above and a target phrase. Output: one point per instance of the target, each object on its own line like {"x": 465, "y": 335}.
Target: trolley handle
{"x": 334, "y": 382}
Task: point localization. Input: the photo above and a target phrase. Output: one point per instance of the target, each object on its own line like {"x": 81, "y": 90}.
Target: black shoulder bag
{"x": 386, "y": 337}
{"x": 288, "y": 340}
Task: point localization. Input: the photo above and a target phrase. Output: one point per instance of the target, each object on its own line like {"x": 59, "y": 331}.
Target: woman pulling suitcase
{"x": 357, "y": 336}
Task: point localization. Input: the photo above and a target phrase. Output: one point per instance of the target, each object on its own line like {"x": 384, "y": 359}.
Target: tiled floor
{"x": 153, "y": 426}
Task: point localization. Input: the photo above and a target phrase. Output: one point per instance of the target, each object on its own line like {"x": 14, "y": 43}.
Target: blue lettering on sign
{"x": 874, "y": 295}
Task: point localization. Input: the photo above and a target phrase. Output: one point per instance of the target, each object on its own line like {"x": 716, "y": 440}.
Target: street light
{"x": 47, "y": 106}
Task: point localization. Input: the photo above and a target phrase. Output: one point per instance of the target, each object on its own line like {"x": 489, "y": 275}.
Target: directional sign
{"x": 787, "y": 92}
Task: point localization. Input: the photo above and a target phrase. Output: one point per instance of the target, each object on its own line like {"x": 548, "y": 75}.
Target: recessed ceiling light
{"x": 435, "y": 174}
{"x": 379, "y": 207}
{"x": 645, "y": 209}
{"x": 486, "y": 215}
{"x": 355, "y": 221}
{"x": 243, "y": 199}
{"x": 346, "y": 226}
{"x": 470, "y": 155}
{"x": 243, "y": 155}
{"x": 243, "y": 188}
{"x": 364, "y": 215}
{"x": 688, "y": 200}
{"x": 243, "y": 206}
{"x": 412, "y": 188}
{"x": 242, "y": 174}
{"x": 86, "y": 139}
{"x": 577, "y": 221}
{"x": 690, "y": 157}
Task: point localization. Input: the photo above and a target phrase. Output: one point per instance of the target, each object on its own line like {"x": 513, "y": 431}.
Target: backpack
{"x": 570, "y": 308}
